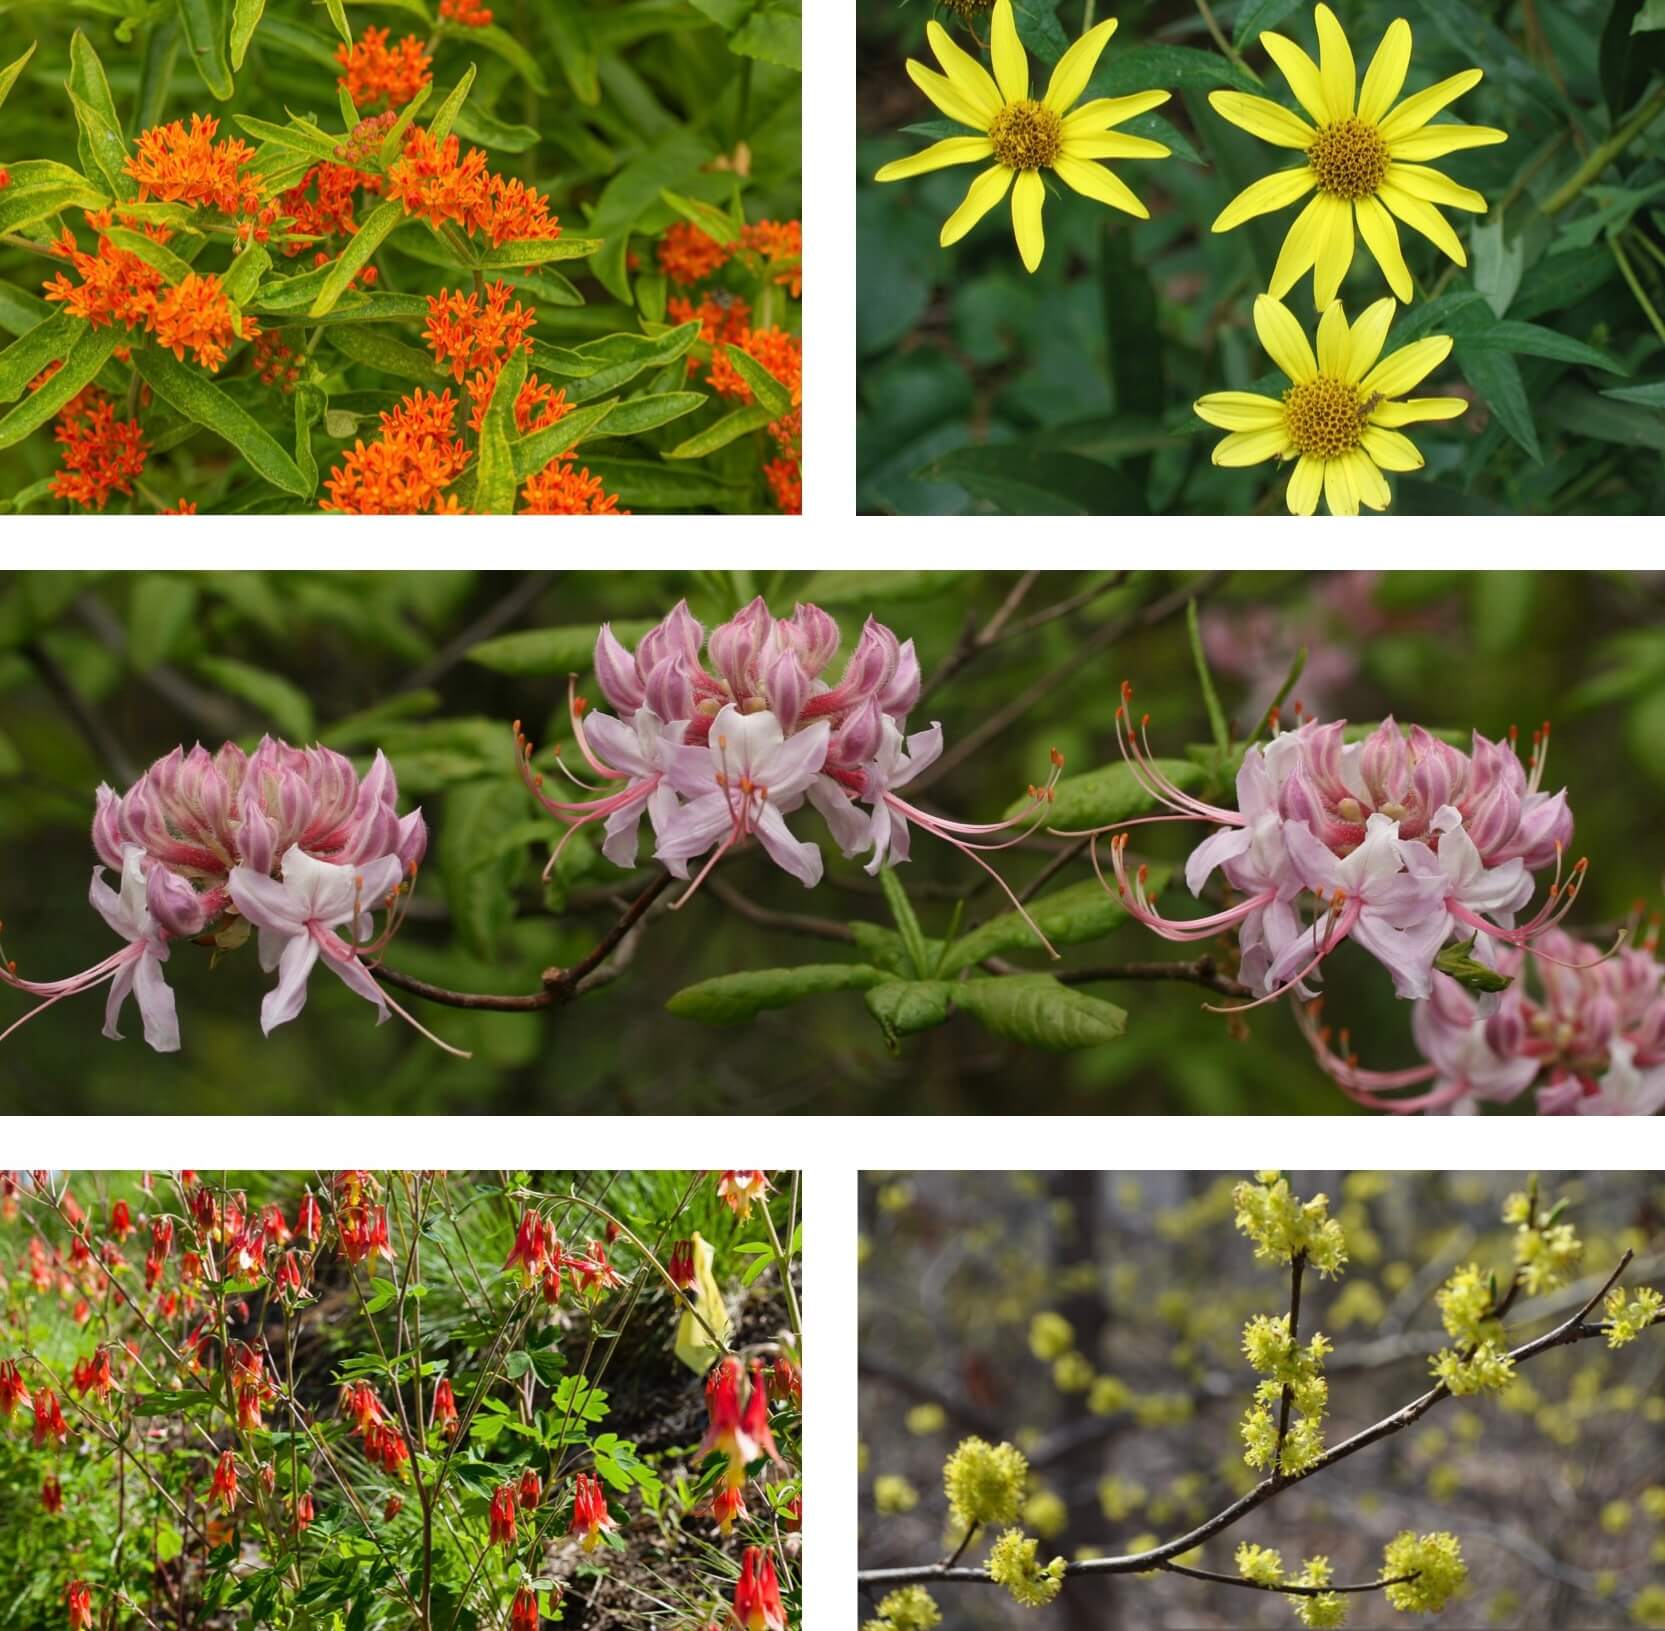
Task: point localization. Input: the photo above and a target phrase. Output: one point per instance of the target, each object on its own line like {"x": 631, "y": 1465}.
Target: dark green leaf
{"x": 731, "y": 998}
{"x": 1037, "y": 1011}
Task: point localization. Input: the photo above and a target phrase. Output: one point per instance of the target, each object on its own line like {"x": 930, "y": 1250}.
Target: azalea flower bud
{"x": 616, "y": 673}
{"x": 669, "y": 688}
{"x": 786, "y": 688}
{"x": 680, "y": 634}
{"x": 813, "y": 635}
{"x": 899, "y": 696}
{"x": 735, "y": 646}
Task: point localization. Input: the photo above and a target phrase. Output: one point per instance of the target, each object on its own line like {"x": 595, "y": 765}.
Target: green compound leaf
{"x": 1036, "y": 1010}
{"x": 730, "y": 999}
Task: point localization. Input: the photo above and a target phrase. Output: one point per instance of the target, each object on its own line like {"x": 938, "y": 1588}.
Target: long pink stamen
{"x": 1340, "y": 920}
{"x": 575, "y": 709}
{"x": 1135, "y": 747}
{"x": 1139, "y": 906}
{"x": 970, "y": 850}
{"x": 102, "y": 974}
{"x": 740, "y": 814}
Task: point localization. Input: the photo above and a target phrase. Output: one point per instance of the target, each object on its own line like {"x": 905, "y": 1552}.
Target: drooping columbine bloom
{"x": 1361, "y": 154}
{"x": 503, "y": 1515}
{"x": 740, "y": 1190}
{"x": 78, "y": 1601}
{"x": 224, "y": 1488}
{"x": 757, "y": 1604}
{"x": 193, "y": 822}
{"x": 525, "y": 1615}
{"x": 1404, "y": 843}
{"x": 590, "y": 1517}
{"x": 1024, "y": 136}
{"x": 726, "y": 738}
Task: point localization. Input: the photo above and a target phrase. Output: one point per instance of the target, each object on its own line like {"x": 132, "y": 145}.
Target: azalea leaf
{"x": 730, "y": 999}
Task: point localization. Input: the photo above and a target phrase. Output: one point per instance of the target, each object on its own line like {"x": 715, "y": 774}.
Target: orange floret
{"x": 116, "y": 286}
{"x": 725, "y": 319}
{"x": 439, "y": 183}
{"x": 464, "y": 334}
{"x": 374, "y": 71}
{"x": 406, "y": 469}
{"x": 786, "y": 482}
{"x": 777, "y": 350}
{"x": 515, "y": 211}
{"x": 329, "y": 212}
{"x": 196, "y": 316}
{"x": 184, "y": 507}
{"x": 191, "y": 167}
{"x": 687, "y": 253}
{"x": 470, "y": 13}
{"x": 558, "y": 489}
{"x": 781, "y": 244}
{"x": 102, "y": 454}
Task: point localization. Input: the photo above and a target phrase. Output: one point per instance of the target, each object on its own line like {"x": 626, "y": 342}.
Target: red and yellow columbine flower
{"x": 14, "y": 1391}
{"x": 728, "y": 1502}
{"x": 1341, "y": 415}
{"x": 224, "y": 1488}
{"x": 503, "y": 1515}
{"x": 78, "y": 1601}
{"x": 524, "y": 1615}
{"x": 1362, "y": 158}
{"x": 1024, "y": 136}
{"x": 590, "y": 1517}
{"x": 740, "y": 1189}
{"x": 49, "y": 1419}
{"x": 757, "y": 1604}
{"x": 445, "y": 1408}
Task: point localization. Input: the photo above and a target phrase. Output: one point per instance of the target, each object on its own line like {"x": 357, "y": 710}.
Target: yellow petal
{"x": 1389, "y": 449}
{"x": 1421, "y": 182}
{"x": 1284, "y": 340}
{"x": 967, "y": 74}
{"x": 1339, "y": 492}
{"x": 1239, "y": 410}
{"x": 1424, "y": 218}
{"x": 1414, "y": 410}
{"x": 1094, "y": 181}
{"x": 1104, "y": 111}
{"x": 1334, "y": 341}
{"x": 1302, "y": 73}
{"x": 1336, "y": 68}
{"x": 1244, "y": 447}
{"x": 1011, "y": 66}
{"x": 1113, "y": 145}
{"x": 1075, "y": 67}
{"x": 1027, "y": 197}
{"x": 1300, "y": 249}
{"x": 1306, "y": 482}
{"x": 956, "y": 150}
{"x": 1381, "y": 237}
{"x": 1335, "y": 248}
{"x": 1267, "y": 120}
{"x": 981, "y": 197}
{"x": 1415, "y": 111}
{"x": 947, "y": 96}
{"x": 1435, "y": 141}
{"x": 1400, "y": 370}
{"x": 1385, "y": 78}
{"x": 1271, "y": 192}
{"x": 1364, "y": 344}
{"x": 1368, "y": 482}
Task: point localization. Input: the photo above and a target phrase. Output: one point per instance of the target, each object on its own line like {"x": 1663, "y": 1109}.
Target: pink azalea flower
{"x": 894, "y": 765}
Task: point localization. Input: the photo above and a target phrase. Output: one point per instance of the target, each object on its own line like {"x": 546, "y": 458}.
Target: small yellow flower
{"x": 1341, "y": 413}
{"x": 1024, "y": 136}
{"x": 1362, "y": 157}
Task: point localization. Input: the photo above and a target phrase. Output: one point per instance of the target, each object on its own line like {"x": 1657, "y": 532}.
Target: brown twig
{"x": 104, "y": 742}
{"x": 1288, "y": 1590}
{"x": 817, "y": 928}
{"x": 1202, "y": 971}
{"x": 1297, "y": 1265}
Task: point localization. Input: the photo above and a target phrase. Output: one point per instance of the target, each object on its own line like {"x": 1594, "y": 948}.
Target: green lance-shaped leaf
{"x": 48, "y": 341}
{"x": 360, "y": 247}
{"x": 203, "y": 22}
{"x": 558, "y": 651}
{"x": 906, "y": 1007}
{"x": 907, "y": 922}
{"x": 101, "y": 143}
{"x": 730, "y": 999}
{"x": 729, "y": 428}
{"x": 1101, "y": 797}
{"x": 495, "y": 491}
{"x": 242, "y": 277}
{"x": 89, "y": 354}
{"x": 9, "y": 74}
{"x": 647, "y": 484}
{"x": 644, "y": 413}
{"x": 521, "y": 252}
{"x": 338, "y": 16}
{"x": 393, "y": 143}
{"x": 1071, "y": 916}
{"x": 188, "y": 391}
{"x": 624, "y": 356}
{"x": 1211, "y": 698}
{"x": 245, "y": 19}
{"x": 532, "y": 453}
{"x": 156, "y": 256}
{"x": 311, "y": 404}
{"x": 297, "y": 135}
{"x": 376, "y": 348}
{"x": 768, "y": 390}
{"x": 1036, "y": 1010}
{"x": 713, "y": 222}
{"x": 22, "y": 207}
{"x": 439, "y": 127}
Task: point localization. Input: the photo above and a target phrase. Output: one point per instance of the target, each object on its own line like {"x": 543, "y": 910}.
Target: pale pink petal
{"x": 156, "y": 1004}
{"x": 802, "y": 860}
{"x": 288, "y": 997}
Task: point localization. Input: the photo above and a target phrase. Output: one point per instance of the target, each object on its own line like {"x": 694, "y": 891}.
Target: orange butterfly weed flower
{"x": 375, "y": 71}
{"x": 725, "y": 319}
{"x": 116, "y": 286}
{"x": 195, "y": 315}
{"x": 182, "y": 166}
{"x": 537, "y": 407}
{"x": 438, "y": 182}
{"x": 275, "y": 363}
{"x": 781, "y": 353}
{"x": 559, "y": 489}
{"x": 781, "y": 244}
{"x": 786, "y": 481}
{"x": 469, "y": 13}
{"x": 101, "y": 454}
{"x": 329, "y": 211}
{"x": 406, "y": 469}
{"x": 184, "y": 507}
{"x": 688, "y": 253}
{"x": 465, "y": 334}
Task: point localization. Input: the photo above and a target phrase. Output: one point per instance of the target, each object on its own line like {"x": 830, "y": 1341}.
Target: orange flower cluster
{"x": 438, "y": 182}
{"x": 183, "y": 166}
{"x": 470, "y": 13}
{"x": 464, "y": 335}
{"x": 687, "y": 253}
{"x": 275, "y": 364}
{"x": 102, "y": 454}
{"x": 558, "y": 489}
{"x": 183, "y": 507}
{"x": 781, "y": 244}
{"x": 195, "y": 315}
{"x": 407, "y": 468}
{"x": 374, "y": 71}
{"x": 782, "y": 354}
{"x": 725, "y": 319}
{"x": 329, "y": 211}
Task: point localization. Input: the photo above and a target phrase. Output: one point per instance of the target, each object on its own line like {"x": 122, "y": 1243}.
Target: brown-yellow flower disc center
{"x": 1325, "y": 417}
{"x": 1026, "y": 135}
{"x": 1350, "y": 158}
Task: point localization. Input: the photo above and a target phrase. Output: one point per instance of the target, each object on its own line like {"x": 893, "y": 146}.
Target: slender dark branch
{"x": 498, "y": 616}
{"x": 959, "y": 1551}
{"x": 104, "y": 742}
{"x": 1571, "y": 1330}
{"x": 974, "y": 642}
{"x": 1203, "y": 971}
{"x": 1290, "y": 1590}
{"x": 206, "y": 710}
{"x": 819, "y": 928}
{"x": 1051, "y": 870}
{"x": 1297, "y": 1265}
{"x": 560, "y": 985}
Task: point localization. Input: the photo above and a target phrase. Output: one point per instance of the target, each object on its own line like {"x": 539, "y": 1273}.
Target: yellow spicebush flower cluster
{"x": 984, "y": 1482}
{"x": 909, "y": 1608}
{"x": 1264, "y": 1566}
{"x": 1013, "y": 1564}
{"x": 1437, "y": 1562}
{"x": 1281, "y": 1226}
{"x": 1628, "y": 1318}
{"x": 1285, "y": 1364}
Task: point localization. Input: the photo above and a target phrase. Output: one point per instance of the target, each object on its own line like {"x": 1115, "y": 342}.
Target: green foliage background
{"x": 606, "y": 105}
{"x": 1070, "y": 391}
{"x": 361, "y": 660}
{"x": 1157, "y": 1285}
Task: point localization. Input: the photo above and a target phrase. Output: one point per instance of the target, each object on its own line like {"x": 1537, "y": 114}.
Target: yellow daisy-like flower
{"x": 1024, "y": 136}
{"x": 1341, "y": 415}
{"x": 1362, "y": 157}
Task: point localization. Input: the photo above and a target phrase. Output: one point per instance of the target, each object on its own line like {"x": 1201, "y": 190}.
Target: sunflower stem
{"x": 1605, "y": 154}
{"x": 1228, "y": 50}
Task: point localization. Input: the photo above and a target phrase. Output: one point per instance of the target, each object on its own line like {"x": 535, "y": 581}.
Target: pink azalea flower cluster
{"x": 1591, "y": 1038}
{"x": 718, "y": 739}
{"x": 289, "y": 841}
{"x": 1399, "y": 842}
